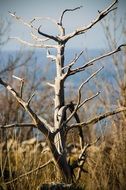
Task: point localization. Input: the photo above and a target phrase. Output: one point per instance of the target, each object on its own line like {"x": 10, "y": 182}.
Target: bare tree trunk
{"x": 57, "y": 137}
{"x": 61, "y": 162}
{"x": 59, "y": 99}
{"x": 59, "y": 118}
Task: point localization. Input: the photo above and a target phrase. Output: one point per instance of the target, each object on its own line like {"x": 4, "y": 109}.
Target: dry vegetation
{"x": 22, "y": 162}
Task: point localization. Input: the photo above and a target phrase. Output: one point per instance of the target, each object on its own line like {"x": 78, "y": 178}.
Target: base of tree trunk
{"x": 59, "y": 186}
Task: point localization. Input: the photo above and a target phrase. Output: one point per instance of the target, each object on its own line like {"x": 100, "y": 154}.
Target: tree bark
{"x": 58, "y": 149}
{"x": 59, "y": 99}
{"x": 61, "y": 162}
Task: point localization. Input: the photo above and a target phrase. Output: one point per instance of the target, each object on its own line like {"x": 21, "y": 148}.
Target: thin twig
{"x": 67, "y": 10}
{"x": 22, "y": 84}
{"x": 53, "y": 57}
{"x": 28, "y": 24}
{"x": 18, "y": 78}
{"x": 33, "y": 45}
{"x": 29, "y": 100}
{"x": 46, "y": 18}
{"x": 85, "y": 149}
{"x": 88, "y": 99}
{"x": 50, "y": 84}
{"x": 17, "y": 125}
{"x": 87, "y": 80}
{"x": 69, "y": 66}
{"x": 36, "y": 38}
{"x": 21, "y": 88}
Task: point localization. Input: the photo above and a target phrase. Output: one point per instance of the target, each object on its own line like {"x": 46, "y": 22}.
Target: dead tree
{"x": 56, "y": 134}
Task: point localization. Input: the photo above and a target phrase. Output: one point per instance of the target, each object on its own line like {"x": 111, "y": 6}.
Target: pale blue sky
{"x": 53, "y": 8}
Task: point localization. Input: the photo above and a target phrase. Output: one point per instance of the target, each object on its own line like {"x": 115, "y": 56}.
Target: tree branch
{"x": 36, "y": 38}
{"x": 69, "y": 66}
{"x": 67, "y": 10}
{"x": 91, "y": 62}
{"x": 21, "y": 88}
{"x": 30, "y": 99}
{"x": 33, "y": 45}
{"x": 82, "y": 154}
{"x": 82, "y": 158}
{"x": 81, "y": 136}
{"x": 46, "y": 18}
{"x": 48, "y": 36}
{"x": 52, "y": 57}
{"x": 22, "y": 84}
{"x": 61, "y": 29}
{"x": 88, "y": 99}
{"x": 50, "y": 84}
{"x": 101, "y": 15}
{"x": 28, "y": 24}
{"x": 40, "y": 124}
{"x": 98, "y": 118}
{"x": 18, "y": 125}
{"x": 79, "y": 95}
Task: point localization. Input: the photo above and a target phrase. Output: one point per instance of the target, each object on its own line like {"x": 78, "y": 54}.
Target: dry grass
{"x": 106, "y": 165}
{"x": 17, "y": 163}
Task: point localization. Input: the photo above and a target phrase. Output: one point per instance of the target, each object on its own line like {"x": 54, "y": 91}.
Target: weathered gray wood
{"x": 56, "y": 135}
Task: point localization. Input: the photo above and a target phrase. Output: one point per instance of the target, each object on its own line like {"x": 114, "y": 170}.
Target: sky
{"x": 28, "y": 9}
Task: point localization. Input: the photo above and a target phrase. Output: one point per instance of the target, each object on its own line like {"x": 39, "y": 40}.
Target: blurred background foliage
{"x": 24, "y": 149}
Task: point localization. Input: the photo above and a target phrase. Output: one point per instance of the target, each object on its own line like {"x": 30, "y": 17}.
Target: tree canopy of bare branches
{"x": 56, "y": 134}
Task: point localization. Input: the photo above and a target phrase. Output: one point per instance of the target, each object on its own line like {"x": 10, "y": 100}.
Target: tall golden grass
{"x": 105, "y": 164}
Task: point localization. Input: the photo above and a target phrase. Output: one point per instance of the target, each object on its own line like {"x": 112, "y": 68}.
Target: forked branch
{"x": 42, "y": 124}
{"x": 79, "y": 104}
{"x": 91, "y": 62}
{"x": 21, "y": 84}
{"x": 78, "y": 164}
{"x": 82, "y": 158}
{"x": 100, "y": 16}
{"x": 28, "y": 24}
{"x": 60, "y": 28}
{"x": 71, "y": 64}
